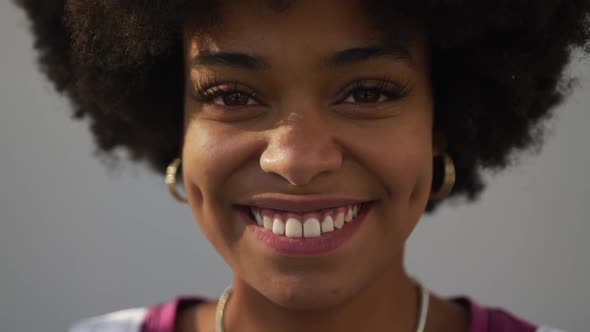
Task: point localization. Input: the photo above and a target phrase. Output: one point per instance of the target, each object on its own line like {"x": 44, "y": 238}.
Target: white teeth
{"x": 327, "y": 224}
{"x": 311, "y": 228}
{"x": 348, "y": 217}
{"x": 278, "y": 227}
{"x": 293, "y": 228}
{"x": 258, "y": 218}
{"x": 267, "y": 222}
{"x": 256, "y": 215}
{"x": 339, "y": 222}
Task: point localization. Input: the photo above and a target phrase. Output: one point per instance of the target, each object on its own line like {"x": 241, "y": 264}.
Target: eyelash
{"x": 208, "y": 90}
{"x": 385, "y": 86}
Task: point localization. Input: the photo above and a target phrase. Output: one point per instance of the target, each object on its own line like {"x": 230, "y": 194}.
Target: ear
{"x": 439, "y": 143}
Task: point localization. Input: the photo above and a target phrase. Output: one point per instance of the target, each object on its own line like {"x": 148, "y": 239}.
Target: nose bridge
{"x": 300, "y": 130}
{"x": 301, "y": 147}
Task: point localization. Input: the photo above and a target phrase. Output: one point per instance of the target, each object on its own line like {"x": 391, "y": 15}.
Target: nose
{"x": 300, "y": 150}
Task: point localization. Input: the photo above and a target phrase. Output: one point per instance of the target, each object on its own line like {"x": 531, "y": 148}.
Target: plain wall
{"x": 77, "y": 240}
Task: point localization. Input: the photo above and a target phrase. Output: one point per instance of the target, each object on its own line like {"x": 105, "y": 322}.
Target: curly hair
{"x": 498, "y": 71}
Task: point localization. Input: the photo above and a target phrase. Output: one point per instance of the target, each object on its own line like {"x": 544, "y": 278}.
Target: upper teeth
{"x": 310, "y": 225}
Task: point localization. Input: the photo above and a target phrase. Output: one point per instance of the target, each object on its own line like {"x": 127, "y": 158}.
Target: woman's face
{"x": 301, "y": 114}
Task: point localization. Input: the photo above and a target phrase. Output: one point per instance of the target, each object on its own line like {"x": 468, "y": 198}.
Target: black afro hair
{"x": 497, "y": 70}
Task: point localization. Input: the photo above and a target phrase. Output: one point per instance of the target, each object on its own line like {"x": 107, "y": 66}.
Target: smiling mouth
{"x": 307, "y": 224}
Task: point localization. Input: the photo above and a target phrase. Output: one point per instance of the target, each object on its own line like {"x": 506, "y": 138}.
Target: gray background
{"x": 78, "y": 241}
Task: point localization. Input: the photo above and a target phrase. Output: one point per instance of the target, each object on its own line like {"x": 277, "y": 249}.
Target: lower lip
{"x": 308, "y": 246}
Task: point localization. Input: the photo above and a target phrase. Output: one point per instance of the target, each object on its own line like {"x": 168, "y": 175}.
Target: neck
{"x": 388, "y": 303}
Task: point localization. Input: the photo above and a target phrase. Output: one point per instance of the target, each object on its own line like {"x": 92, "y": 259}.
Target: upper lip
{"x": 299, "y": 203}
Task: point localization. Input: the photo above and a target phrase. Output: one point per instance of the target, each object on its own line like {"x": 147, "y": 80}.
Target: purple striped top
{"x": 161, "y": 318}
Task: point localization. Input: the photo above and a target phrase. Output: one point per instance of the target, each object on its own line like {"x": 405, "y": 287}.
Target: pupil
{"x": 367, "y": 95}
{"x": 235, "y": 98}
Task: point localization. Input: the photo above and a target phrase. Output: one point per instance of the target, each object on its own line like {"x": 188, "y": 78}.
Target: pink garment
{"x": 161, "y": 318}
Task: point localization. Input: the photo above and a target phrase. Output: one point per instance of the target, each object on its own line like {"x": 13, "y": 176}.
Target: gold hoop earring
{"x": 448, "y": 180}
{"x": 170, "y": 180}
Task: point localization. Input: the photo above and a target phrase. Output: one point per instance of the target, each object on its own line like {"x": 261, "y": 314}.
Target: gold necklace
{"x": 420, "y": 322}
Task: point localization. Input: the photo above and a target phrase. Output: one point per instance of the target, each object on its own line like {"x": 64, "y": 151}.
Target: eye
{"x": 374, "y": 91}
{"x": 234, "y": 98}
{"x": 371, "y": 95}
{"x": 225, "y": 95}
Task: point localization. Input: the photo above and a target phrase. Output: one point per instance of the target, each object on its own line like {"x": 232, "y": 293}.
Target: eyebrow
{"x": 230, "y": 59}
{"x": 361, "y": 54}
{"x": 346, "y": 57}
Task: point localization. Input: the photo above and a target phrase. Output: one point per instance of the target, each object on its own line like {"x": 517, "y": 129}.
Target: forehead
{"x": 256, "y": 24}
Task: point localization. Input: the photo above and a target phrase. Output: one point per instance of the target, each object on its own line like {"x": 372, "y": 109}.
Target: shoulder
{"x": 157, "y": 318}
{"x": 128, "y": 320}
{"x": 548, "y": 329}
{"x": 490, "y": 319}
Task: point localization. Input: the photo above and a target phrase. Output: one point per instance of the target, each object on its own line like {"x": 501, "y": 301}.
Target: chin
{"x": 302, "y": 294}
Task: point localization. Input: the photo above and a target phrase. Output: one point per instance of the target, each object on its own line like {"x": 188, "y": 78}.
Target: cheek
{"x": 399, "y": 158}
{"x": 199, "y": 158}
{"x": 206, "y": 164}
{"x": 411, "y": 154}
{"x": 212, "y": 157}
{"x": 410, "y": 167}
{"x": 211, "y": 154}
{"x": 411, "y": 175}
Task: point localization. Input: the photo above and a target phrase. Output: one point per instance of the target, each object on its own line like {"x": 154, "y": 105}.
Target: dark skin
{"x": 371, "y": 116}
